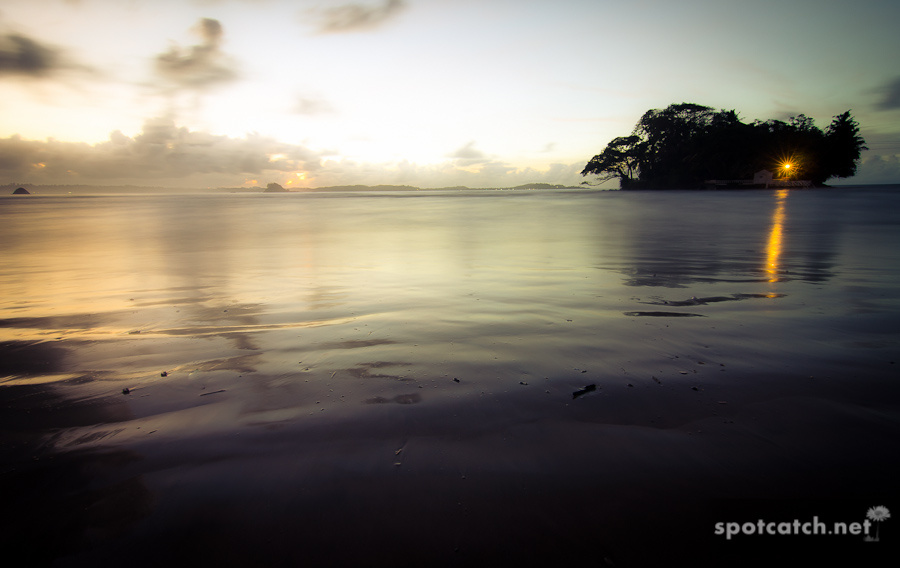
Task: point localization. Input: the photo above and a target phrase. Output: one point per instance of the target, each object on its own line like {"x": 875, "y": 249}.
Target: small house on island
{"x": 763, "y": 179}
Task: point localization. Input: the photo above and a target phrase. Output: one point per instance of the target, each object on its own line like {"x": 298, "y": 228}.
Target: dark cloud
{"x": 162, "y": 151}
{"x": 20, "y": 55}
{"x": 357, "y": 17}
{"x": 210, "y": 30}
{"x": 199, "y": 66}
{"x": 26, "y": 57}
{"x": 890, "y": 96}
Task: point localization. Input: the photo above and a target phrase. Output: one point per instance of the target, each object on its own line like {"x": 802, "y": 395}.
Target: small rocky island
{"x": 21, "y": 191}
{"x": 690, "y": 146}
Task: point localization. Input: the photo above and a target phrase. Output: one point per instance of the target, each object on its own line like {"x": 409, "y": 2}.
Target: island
{"x": 690, "y": 146}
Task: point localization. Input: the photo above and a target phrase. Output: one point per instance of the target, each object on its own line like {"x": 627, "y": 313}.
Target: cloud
{"x": 877, "y": 169}
{"x": 891, "y": 96}
{"x": 22, "y": 56}
{"x": 200, "y": 66}
{"x": 468, "y": 155}
{"x": 162, "y": 153}
{"x": 165, "y": 154}
{"x": 443, "y": 174}
{"x": 313, "y": 106}
{"x": 470, "y": 162}
{"x": 358, "y": 17}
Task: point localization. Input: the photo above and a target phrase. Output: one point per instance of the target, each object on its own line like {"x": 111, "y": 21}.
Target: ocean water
{"x": 440, "y": 377}
{"x": 273, "y": 297}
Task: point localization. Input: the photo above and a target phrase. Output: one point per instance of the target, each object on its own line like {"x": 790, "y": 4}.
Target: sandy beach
{"x": 480, "y": 378}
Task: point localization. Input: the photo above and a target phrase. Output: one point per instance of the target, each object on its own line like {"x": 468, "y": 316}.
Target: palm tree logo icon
{"x": 877, "y": 514}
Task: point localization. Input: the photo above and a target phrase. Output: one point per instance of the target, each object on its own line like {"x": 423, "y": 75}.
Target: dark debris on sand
{"x": 584, "y": 391}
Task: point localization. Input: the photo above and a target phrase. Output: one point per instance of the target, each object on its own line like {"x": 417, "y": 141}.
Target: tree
{"x": 620, "y": 159}
{"x": 796, "y": 143}
{"x": 667, "y": 132}
{"x": 843, "y": 146}
{"x": 684, "y": 144}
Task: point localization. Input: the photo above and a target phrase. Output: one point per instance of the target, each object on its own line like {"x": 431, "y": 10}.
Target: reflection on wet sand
{"x": 669, "y": 246}
{"x": 773, "y": 248}
{"x": 695, "y": 301}
{"x": 68, "y": 503}
{"x": 365, "y": 370}
{"x": 63, "y": 488}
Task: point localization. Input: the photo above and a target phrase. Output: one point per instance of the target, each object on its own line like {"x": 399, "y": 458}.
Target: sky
{"x": 429, "y": 93}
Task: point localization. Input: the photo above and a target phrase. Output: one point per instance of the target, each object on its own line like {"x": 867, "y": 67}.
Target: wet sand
{"x": 389, "y": 380}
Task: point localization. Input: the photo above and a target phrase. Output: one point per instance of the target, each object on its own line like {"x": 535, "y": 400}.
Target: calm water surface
{"x": 288, "y": 305}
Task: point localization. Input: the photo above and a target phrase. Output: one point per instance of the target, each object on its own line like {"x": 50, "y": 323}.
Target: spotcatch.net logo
{"x": 869, "y": 528}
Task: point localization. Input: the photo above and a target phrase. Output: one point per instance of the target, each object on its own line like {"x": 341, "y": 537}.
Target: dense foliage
{"x": 685, "y": 144}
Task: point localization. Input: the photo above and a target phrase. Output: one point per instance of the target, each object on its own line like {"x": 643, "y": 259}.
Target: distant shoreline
{"x": 37, "y": 189}
{"x": 84, "y": 189}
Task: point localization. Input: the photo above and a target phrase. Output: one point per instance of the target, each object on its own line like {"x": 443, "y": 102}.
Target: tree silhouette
{"x": 620, "y": 159}
{"x": 684, "y": 144}
{"x": 843, "y": 145}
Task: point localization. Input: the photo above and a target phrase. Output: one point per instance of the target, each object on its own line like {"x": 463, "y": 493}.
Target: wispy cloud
{"x": 444, "y": 174}
{"x": 200, "y": 66}
{"x": 890, "y": 95}
{"x": 313, "y": 106}
{"x": 468, "y": 158}
{"x": 879, "y": 169}
{"x": 358, "y": 17}
{"x": 468, "y": 155}
{"x": 162, "y": 151}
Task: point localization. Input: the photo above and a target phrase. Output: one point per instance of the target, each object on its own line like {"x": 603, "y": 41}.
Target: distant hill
{"x": 367, "y": 188}
{"x": 413, "y": 188}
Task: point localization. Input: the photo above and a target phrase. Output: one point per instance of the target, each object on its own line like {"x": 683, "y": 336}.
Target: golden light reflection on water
{"x": 776, "y": 236}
